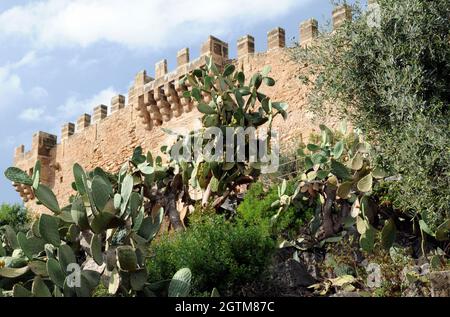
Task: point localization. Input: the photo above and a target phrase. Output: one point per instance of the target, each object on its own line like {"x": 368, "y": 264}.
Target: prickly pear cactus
{"x": 339, "y": 175}
{"x": 75, "y": 248}
{"x": 227, "y": 100}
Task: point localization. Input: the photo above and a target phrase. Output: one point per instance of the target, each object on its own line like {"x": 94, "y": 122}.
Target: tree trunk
{"x": 172, "y": 211}
{"x": 220, "y": 200}
{"x": 327, "y": 221}
{"x": 345, "y": 212}
{"x": 206, "y": 195}
{"x": 240, "y": 181}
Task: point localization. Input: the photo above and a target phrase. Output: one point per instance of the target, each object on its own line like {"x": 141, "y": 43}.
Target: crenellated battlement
{"x": 160, "y": 99}
{"x": 106, "y": 137}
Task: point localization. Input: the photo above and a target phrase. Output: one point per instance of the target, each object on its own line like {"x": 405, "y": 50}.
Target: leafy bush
{"x": 391, "y": 79}
{"x": 15, "y": 216}
{"x": 257, "y": 209}
{"x": 219, "y": 253}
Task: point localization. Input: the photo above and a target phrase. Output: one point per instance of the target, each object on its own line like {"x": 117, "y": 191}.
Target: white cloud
{"x": 74, "y": 107}
{"x": 80, "y": 64}
{"x": 10, "y": 85}
{"x": 29, "y": 59}
{"x": 70, "y": 110}
{"x": 32, "y": 114}
{"x": 8, "y": 141}
{"x": 38, "y": 93}
{"x": 133, "y": 23}
{"x": 37, "y": 114}
{"x": 10, "y": 82}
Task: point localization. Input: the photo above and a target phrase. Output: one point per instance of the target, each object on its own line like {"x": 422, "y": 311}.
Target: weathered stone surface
{"x": 309, "y": 30}
{"x": 245, "y": 45}
{"x": 117, "y": 103}
{"x": 183, "y": 57}
{"x": 161, "y": 68}
{"x": 67, "y": 130}
{"x": 292, "y": 274}
{"x": 83, "y": 122}
{"x": 341, "y": 14}
{"x": 276, "y": 38}
{"x": 100, "y": 113}
{"x": 312, "y": 261}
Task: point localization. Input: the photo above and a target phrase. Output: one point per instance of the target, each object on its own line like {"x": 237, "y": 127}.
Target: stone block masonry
{"x": 108, "y": 141}
{"x": 309, "y": 30}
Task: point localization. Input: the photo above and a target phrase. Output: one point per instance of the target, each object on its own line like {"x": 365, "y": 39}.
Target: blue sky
{"x": 60, "y": 58}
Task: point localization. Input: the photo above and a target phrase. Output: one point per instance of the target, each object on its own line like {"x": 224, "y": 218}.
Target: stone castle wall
{"x": 108, "y": 140}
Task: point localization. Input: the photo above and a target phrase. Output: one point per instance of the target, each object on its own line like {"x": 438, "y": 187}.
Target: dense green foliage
{"x": 219, "y": 253}
{"x": 15, "y": 216}
{"x": 391, "y": 78}
{"x": 257, "y": 209}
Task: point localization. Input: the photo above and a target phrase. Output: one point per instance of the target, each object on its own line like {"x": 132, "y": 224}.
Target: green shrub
{"x": 219, "y": 253}
{"x": 256, "y": 209}
{"x": 15, "y": 216}
{"x": 391, "y": 80}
